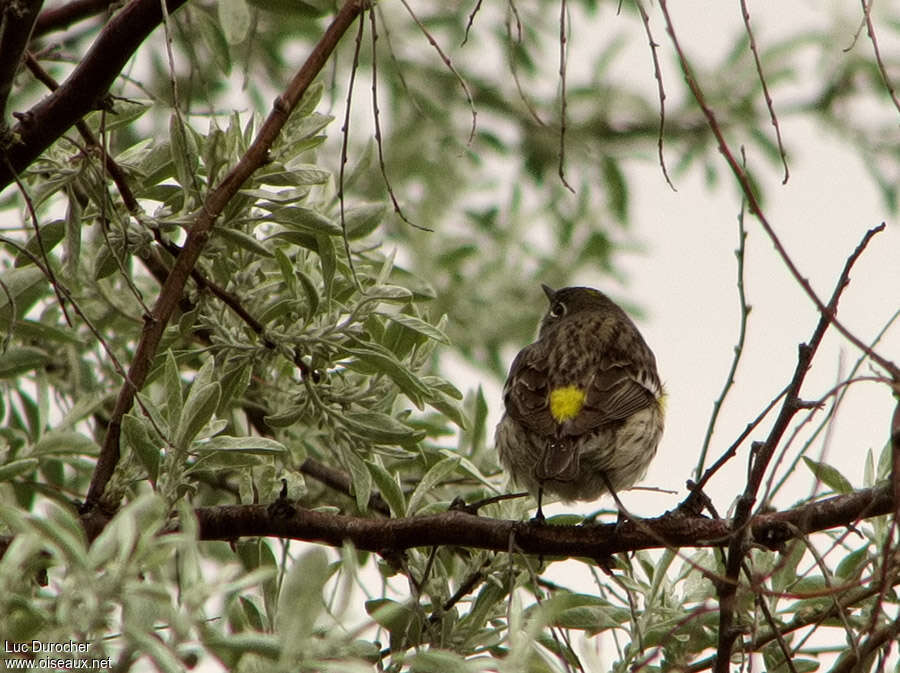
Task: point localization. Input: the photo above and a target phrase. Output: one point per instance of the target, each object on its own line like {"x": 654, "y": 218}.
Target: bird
{"x": 584, "y": 405}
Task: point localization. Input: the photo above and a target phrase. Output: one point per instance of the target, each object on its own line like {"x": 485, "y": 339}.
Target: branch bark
{"x": 772, "y": 530}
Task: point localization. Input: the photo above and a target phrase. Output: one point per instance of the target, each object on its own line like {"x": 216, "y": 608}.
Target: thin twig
{"x": 379, "y": 141}
{"x": 660, "y": 90}
{"x": 740, "y": 254}
{"x": 563, "y": 97}
{"x": 471, "y": 22}
{"x": 882, "y": 70}
{"x": 510, "y": 55}
{"x": 447, "y": 62}
{"x": 345, "y": 141}
{"x": 745, "y": 14}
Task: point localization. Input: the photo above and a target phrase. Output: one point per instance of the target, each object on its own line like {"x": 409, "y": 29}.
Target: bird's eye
{"x": 557, "y": 310}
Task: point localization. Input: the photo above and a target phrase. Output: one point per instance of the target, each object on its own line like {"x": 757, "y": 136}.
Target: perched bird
{"x": 584, "y": 403}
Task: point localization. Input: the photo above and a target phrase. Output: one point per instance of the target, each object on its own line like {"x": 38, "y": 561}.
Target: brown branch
{"x": 895, "y": 456}
{"x": 17, "y": 21}
{"x": 806, "y": 352}
{"x": 660, "y": 92}
{"x": 60, "y": 18}
{"x": 172, "y": 289}
{"x": 745, "y": 14}
{"x": 563, "y": 96}
{"x": 739, "y": 543}
{"x": 45, "y": 122}
{"x": 851, "y": 660}
{"x": 456, "y": 527}
{"x": 879, "y": 61}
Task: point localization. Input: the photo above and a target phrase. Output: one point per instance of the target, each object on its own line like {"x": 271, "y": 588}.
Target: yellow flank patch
{"x": 566, "y": 403}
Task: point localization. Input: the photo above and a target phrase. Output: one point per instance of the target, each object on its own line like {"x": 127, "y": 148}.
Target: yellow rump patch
{"x": 566, "y": 403}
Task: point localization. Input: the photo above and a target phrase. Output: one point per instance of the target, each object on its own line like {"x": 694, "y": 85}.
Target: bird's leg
{"x": 539, "y": 516}
{"x": 624, "y": 515}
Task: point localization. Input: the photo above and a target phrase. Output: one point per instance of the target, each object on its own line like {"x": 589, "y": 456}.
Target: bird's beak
{"x": 549, "y": 291}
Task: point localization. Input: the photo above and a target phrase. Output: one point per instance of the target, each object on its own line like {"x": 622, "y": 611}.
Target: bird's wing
{"x": 617, "y": 390}
{"x": 526, "y": 393}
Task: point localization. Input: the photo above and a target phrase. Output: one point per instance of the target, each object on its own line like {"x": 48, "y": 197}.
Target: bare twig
{"x": 882, "y": 70}
{"x": 447, "y": 62}
{"x": 563, "y": 96}
{"x": 745, "y": 14}
{"x": 510, "y": 55}
{"x": 471, "y": 21}
{"x": 661, "y": 93}
{"x": 379, "y": 141}
{"x": 739, "y": 253}
{"x": 345, "y": 140}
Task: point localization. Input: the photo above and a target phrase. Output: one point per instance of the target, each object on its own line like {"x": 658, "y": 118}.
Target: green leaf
{"x": 234, "y": 382}
{"x": 214, "y": 39}
{"x": 439, "y": 661}
{"x": 852, "y": 564}
{"x": 252, "y": 445}
{"x": 829, "y": 475}
{"x": 17, "y": 468}
{"x": 395, "y": 293}
{"x": 137, "y": 436}
{"x": 184, "y": 150}
{"x": 304, "y": 219}
{"x": 20, "y": 288}
{"x": 380, "y": 428}
{"x": 21, "y": 359}
{"x": 385, "y": 363}
{"x": 616, "y": 188}
{"x": 360, "y": 478}
{"x": 173, "y": 399}
{"x": 312, "y": 294}
{"x": 234, "y": 17}
{"x": 245, "y": 241}
{"x": 431, "y": 480}
{"x": 443, "y": 385}
{"x": 295, "y": 175}
{"x": 51, "y": 234}
{"x": 389, "y": 487}
{"x": 300, "y": 602}
{"x": 38, "y": 331}
{"x": 401, "y": 621}
{"x": 418, "y": 325}
{"x": 362, "y": 220}
{"x": 328, "y": 258}
{"x": 310, "y": 99}
{"x": 284, "y": 419}
{"x": 65, "y": 443}
{"x": 199, "y": 407}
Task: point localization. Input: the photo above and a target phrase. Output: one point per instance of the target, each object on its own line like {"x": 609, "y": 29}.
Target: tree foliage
{"x": 227, "y": 325}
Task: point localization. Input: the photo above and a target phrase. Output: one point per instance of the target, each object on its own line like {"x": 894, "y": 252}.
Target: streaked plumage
{"x": 590, "y": 366}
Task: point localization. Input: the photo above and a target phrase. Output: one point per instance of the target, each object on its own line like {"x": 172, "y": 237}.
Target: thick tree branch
{"x": 771, "y": 530}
